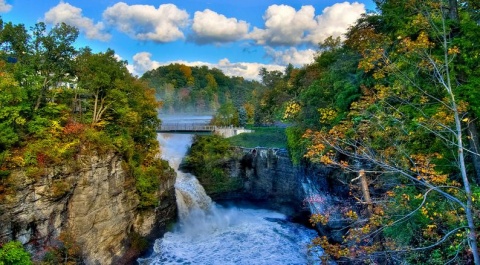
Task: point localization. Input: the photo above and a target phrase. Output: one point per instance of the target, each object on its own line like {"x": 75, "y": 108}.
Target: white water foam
{"x": 209, "y": 234}
{"x": 234, "y": 236}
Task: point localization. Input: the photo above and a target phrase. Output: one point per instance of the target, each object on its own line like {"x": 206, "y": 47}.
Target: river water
{"x": 207, "y": 233}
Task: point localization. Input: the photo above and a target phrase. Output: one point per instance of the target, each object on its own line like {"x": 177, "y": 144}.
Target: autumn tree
{"x": 407, "y": 132}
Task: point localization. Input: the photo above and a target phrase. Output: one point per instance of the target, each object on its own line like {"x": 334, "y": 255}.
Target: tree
{"x": 401, "y": 132}
{"x": 100, "y": 74}
{"x": 53, "y": 55}
{"x": 12, "y": 253}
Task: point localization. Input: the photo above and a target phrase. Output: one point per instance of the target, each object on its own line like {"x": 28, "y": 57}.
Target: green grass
{"x": 272, "y": 137}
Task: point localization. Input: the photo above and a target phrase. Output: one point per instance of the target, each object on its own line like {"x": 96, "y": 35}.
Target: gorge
{"x": 209, "y": 233}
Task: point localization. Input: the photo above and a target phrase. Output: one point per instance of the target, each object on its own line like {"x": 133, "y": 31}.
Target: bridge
{"x": 185, "y": 128}
{"x": 195, "y": 128}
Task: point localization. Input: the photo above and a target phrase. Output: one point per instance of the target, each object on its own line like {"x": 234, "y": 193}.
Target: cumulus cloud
{"x": 143, "y": 62}
{"x": 211, "y": 27}
{"x": 71, "y": 15}
{"x": 291, "y": 55}
{"x": 145, "y": 22}
{"x": 4, "y": 7}
{"x": 335, "y": 20}
{"x": 284, "y": 25}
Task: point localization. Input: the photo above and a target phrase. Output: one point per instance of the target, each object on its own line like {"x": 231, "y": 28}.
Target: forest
{"x": 394, "y": 105}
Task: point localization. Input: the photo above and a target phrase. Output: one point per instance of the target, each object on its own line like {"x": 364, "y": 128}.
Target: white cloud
{"x": 211, "y": 27}
{"x": 143, "y": 62}
{"x": 335, "y": 20}
{"x": 246, "y": 70}
{"x": 72, "y": 15}
{"x": 145, "y": 22}
{"x": 284, "y": 25}
{"x": 4, "y": 7}
{"x": 291, "y": 55}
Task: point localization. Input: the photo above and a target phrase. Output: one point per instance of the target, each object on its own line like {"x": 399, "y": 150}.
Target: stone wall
{"x": 95, "y": 201}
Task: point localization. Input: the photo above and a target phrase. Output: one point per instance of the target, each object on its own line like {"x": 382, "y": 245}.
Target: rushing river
{"x": 211, "y": 234}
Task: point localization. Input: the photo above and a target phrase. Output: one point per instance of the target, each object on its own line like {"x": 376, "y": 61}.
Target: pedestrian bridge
{"x": 192, "y": 128}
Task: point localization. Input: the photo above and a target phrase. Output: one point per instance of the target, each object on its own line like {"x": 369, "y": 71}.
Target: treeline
{"x": 233, "y": 100}
{"x": 395, "y": 105}
{"x": 199, "y": 89}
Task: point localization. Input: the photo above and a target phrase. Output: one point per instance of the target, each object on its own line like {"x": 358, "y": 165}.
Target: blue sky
{"x": 236, "y": 36}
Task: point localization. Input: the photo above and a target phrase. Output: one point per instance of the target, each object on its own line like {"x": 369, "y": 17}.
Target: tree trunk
{"x": 42, "y": 92}
{"x": 453, "y": 10}
{"x": 475, "y": 148}
{"x": 365, "y": 191}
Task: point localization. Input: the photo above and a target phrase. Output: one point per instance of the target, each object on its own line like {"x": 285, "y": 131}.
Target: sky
{"x": 236, "y": 36}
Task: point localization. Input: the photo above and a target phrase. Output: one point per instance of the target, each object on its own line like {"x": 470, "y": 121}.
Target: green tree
{"x": 13, "y": 253}
{"x": 53, "y": 56}
{"x": 226, "y": 115}
{"x": 100, "y": 74}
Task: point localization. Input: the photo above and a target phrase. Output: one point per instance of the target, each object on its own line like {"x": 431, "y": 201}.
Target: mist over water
{"x": 211, "y": 234}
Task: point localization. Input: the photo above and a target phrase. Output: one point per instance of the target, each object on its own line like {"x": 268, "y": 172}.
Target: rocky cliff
{"x": 268, "y": 177}
{"x": 95, "y": 202}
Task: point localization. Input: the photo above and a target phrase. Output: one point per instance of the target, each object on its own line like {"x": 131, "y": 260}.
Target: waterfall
{"x": 190, "y": 195}
{"x": 211, "y": 234}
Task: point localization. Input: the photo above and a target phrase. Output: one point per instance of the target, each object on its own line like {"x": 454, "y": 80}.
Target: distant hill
{"x": 184, "y": 88}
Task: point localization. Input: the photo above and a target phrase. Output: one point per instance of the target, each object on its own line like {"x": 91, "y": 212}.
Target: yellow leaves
{"x": 424, "y": 211}
{"x": 421, "y": 43}
{"x": 431, "y": 232}
{"x": 18, "y": 161}
{"x": 291, "y": 110}
{"x": 382, "y": 91}
{"x": 420, "y": 21}
{"x": 327, "y": 115}
{"x": 462, "y": 106}
{"x": 371, "y": 58}
{"x": 20, "y": 120}
{"x": 319, "y": 219}
{"x": 425, "y": 169}
{"x": 56, "y": 128}
{"x": 424, "y": 99}
{"x": 351, "y": 215}
{"x": 334, "y": 250}
{"x": 453, "y": 50}
{"x": 442, "y": 116}
{"x": 326, "y": 159}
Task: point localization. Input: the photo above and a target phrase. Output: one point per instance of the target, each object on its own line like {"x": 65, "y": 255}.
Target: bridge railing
{"x": 186, "y": 127}
{"x": 192, "y": 127}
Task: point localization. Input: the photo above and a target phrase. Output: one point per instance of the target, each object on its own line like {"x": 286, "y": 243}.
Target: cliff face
{"x": 95, "y": 202}
{"x": 268, "y": 177}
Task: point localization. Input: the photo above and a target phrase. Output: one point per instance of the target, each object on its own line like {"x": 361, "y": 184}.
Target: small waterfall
{"x": 190, "y": 195}
{"x": 315, "y": 200}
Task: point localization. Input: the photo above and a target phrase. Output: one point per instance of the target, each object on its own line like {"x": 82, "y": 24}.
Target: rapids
{"x": 207, "y": 233}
